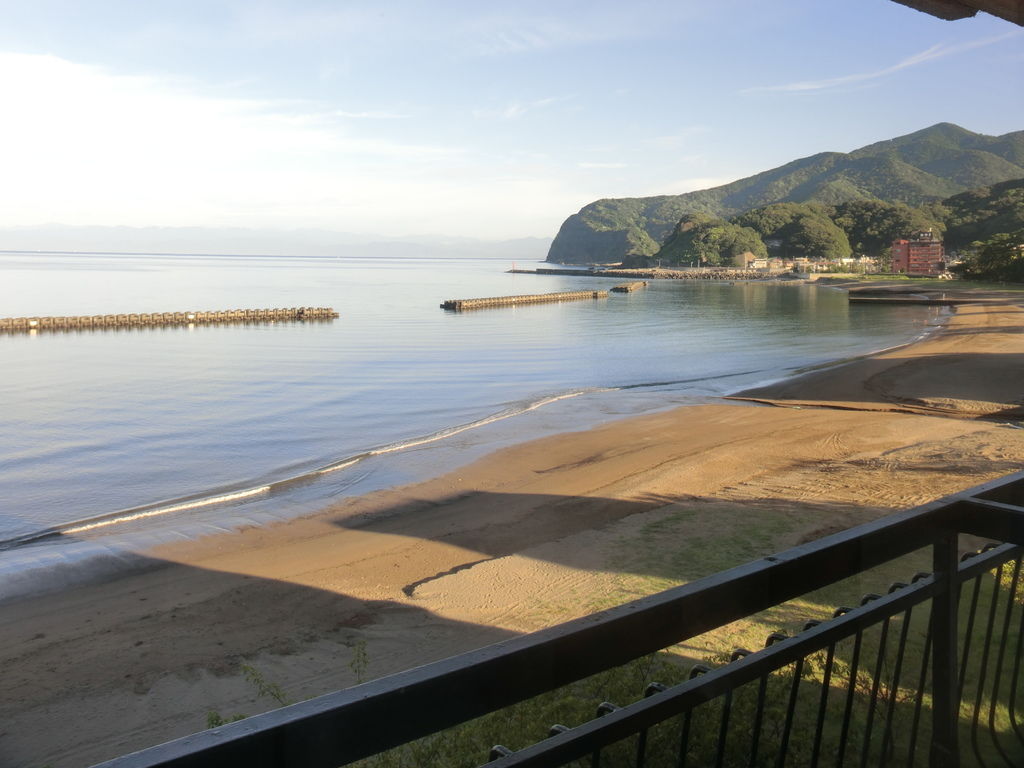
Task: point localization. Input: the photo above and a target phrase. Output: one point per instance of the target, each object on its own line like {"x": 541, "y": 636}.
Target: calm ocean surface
{"x": 96, "y": 422}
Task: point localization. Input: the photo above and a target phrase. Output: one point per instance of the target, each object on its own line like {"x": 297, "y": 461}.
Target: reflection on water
{"x": 97, "y": 421}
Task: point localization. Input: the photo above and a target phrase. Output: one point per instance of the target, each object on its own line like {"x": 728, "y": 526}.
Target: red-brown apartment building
{"x": 922, "y": 254}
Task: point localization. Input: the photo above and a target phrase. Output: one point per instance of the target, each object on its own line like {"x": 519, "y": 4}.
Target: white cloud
{"x": 938, "y": 51}
{"x": 84, "y": 145}
{"x": 513, "y": 110}
{"x": 264, "y": 23}
{"x": 371, "y": 115}
{"x": 679, "y": 138}
{"x": 528, "y": 30}
{"x": 499, "y": 36}
{"x": 461, "y": 29}
{"x": 80, "y": 145}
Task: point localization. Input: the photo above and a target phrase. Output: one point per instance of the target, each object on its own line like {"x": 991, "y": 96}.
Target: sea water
{"x": 124, "y": 437}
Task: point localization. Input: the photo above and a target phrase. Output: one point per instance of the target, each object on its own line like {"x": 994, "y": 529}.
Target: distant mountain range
{"x": 920, "y": 167}
{"x": 258, "y": 242}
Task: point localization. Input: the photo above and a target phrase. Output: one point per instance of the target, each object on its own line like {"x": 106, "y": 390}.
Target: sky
{"x": 487, "y": 120}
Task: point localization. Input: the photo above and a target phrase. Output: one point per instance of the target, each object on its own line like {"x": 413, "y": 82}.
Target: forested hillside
{"x": 919, "y": 168}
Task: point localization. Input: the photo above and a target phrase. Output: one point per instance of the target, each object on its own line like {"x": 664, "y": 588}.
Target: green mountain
{"x": 702, "y": 239}
{"x": 978, "y": 214}
{"x": 921, "y": 167}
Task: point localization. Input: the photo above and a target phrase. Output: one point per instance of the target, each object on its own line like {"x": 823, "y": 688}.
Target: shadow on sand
{"x": 136, "y": 660}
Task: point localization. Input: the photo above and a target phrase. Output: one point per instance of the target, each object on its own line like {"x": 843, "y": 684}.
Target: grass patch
{"x": 858, "y": 702}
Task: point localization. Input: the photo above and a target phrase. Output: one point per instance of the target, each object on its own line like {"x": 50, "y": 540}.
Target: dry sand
{"x": 524, "y": 538}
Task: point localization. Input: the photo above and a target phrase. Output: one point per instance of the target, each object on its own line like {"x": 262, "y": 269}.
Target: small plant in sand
{"x": 264, "y": 689}
{"x": 214, "y": 719}
{"x": 360, "y": 660}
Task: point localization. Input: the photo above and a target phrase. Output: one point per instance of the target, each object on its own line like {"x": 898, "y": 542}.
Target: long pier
{"x": 458, "y": 305}
{"x": 216, "y": 317}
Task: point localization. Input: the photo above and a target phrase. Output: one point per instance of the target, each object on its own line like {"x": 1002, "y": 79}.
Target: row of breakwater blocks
{"x": 47, "y": 323}
{"x": 509, "y": 301}
{"x": 663, "y": 273}
{"x": 693, "y": 274}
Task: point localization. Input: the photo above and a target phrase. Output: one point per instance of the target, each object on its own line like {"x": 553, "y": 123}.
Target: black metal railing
{"x": 848, "y": 691}
{"x": 926, "y": 674}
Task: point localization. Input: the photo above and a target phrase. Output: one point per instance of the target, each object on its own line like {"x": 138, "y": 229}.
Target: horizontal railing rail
{"x": 664, "y": 704}
{"x": 345, "y": 726}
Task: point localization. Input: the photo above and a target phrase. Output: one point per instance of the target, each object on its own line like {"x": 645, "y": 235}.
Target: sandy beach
{"x": 524, "y": 538}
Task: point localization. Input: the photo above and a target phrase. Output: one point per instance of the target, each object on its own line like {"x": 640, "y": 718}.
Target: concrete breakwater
{"x": 661, "y": 273}
{"x": 572, "y": 272}
{"x": 53, "y": 322}
{"x": 629, "y": 287}
{"x": 657, "y": 273}
{"x": 508, "y": 301}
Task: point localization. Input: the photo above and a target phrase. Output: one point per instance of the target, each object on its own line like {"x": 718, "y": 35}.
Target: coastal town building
{"x": 921, "y": 254}
{"x": 858, "y": 263}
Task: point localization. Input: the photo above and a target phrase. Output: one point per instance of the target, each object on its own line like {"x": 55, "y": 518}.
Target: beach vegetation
{"x": 528, "y": 722}
{"x": 214, "y": 719}
{"x": 1000, "y": 258}
{"x": 871, "y": 711}
{"x": 264, "y": 689}
{"x": 360, "y": 660}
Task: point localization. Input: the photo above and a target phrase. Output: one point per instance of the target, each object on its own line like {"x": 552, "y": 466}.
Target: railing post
{"x": 945, "y": 687}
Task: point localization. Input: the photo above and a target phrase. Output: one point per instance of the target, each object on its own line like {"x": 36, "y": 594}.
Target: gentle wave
{"x": 128, "y": 515}
{"x": 443, "y": 434}
{"x": 500, "y": 416}
{"x": 195, "y": 502}
{"x": 927, "y": 333}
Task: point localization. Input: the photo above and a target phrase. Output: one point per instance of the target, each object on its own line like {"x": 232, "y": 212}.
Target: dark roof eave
{"x": 1010, "y": 10}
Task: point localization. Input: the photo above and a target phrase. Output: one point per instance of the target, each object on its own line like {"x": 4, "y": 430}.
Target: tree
{"x": 798, "y": 230}
{"x": 1001, "y": 257}
{"x": 872, "y": 225}
{"x": 815, "y": 237}
{"x": 979, "y": 214}
{"x": 707, "y": 241}
{"x": 770, "y": 220}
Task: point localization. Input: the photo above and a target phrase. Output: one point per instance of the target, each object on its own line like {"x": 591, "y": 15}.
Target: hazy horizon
{"x": 245, "y": 241}
{"x": 457, "y": 118}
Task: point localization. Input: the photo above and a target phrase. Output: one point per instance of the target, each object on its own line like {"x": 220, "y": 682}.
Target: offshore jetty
{"x": 629, "y": 287}
{"x": 458, "y": 305}
{"x": 660, "y": 273}
{"x": 55, "y": 323}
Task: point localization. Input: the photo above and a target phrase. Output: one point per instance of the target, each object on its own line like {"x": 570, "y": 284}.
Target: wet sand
{"x": 524, "y": 538}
